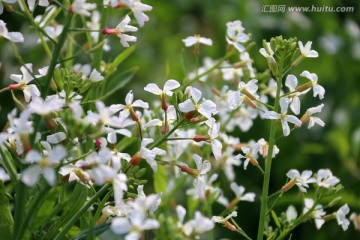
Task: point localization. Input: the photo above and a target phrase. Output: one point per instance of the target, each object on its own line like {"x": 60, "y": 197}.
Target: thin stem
{"x": 4, "y": 89}
{"x": 265, "y": 189}
{"x": 277, "y": 199}
{"x": 260, "y": 168}
{"x": 239, "y": 230}
{"x": 140, "y": 131}
{"x": 81, "y": 211}
{"x": 164, "y": 137}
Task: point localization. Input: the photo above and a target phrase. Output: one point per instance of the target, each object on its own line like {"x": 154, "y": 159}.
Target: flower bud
{"x": 289, "y": 185}
{"x": 201, "y": 138}
{"x": 135, "y": 160}
{"x": 229, "y": 226}
{"x": 190, "y": 115}
{"x": 190, "y": 171}
{"x": 273, "y": 66}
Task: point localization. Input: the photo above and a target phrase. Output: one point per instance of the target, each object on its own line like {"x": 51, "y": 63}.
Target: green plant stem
{"x": 99, "y": 52}
{"x": 51, "y": 69}
{"x": 81, "y": 211}
{"x": 33, "y": 208}
{"x": 239, "y": 230}
{"x": 296, "y": 222}
{"x": 164, "y": 137}
{"x": 265, "y": 189}
{"x": 9, "y": 166}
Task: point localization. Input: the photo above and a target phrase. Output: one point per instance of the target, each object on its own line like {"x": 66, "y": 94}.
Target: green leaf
{"x": 160, "y": 179}
{"x": 117, "y": 82}
{"x": 120, "y": 58}
{"x": 98, "y": 229}
{"x": 6, "y": 220}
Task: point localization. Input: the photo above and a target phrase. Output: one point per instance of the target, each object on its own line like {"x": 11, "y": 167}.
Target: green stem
{"x": 99, "y": 52}
{"x": 265, "y": 189}
{"x": 164, "y": 137}
{"x": 9, "y": 165}
{"x": 33, "y": 208}
{"x": 296, "y": 222}
{"x": 51, "y": 69}
{"x": 239, "y": 230}
{"x": 81, "y": 211}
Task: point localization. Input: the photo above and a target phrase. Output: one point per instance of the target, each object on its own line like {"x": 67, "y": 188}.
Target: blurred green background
{"x": 336, "y": 36}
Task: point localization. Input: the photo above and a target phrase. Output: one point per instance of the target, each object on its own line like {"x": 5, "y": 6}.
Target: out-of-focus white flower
{"x": 45, "y": 107}
{"x": 133, "y": 225}
{"x": 235, "y": 35}
{"x": 300, "y": 180}
{"x": 44, "y": 165}
{"x": 291, "y": 214}
{"x": 284, "y": 103}
{"x": 138, "y": 8}
{"x": 197, "y": 39}
{"x": 81, "y": 7}
{"x": 75, "y": 173}
{"x": 29, "y": 90}
{"x": 267, "y": 52}
{"x": 31, "y": 4}
{"x": 145, "y": 203}
{"x": 201, "y": 169}
{"x": 198, "y": 225}
{"x": 12, "y": 36}
{"x": 239, "y": 193}
{"x": 355, "y": 218}
{"x": 326, "y": 179}
{"x": 120, "y": 29}
{"x": 317, "y": 89}
{"x": 341, "y": 217}
{"x": 167, "y": 89}
{"x": 119, "y": 186}
{"x": 3, "y": 175}
{"x": 316, "y": 214}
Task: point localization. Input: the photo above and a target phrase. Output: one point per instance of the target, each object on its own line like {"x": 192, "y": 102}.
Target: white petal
{"x": 285, "y": 127}
{"x": 56, "y": 138}
{"x": 140, "y": 103}
{"x": 120, "y": 225}
{"x": 30, "y": 175}
{"x": 95, "y": 76}
{"x": 153, "y": 88}
{"x": 271, "y": 115}
{"x": 189, "y": 41}
{"x": 187, "y": 106}
{"x": 195, "y": 94}
{"x": 291, "y": 82}
{"x": 171, "y": 85}
{"x": 293, "y": 119}
{"x": 49, "y": 175}
{"x": 216, "y": 148}
{"x": 16, "y": 37}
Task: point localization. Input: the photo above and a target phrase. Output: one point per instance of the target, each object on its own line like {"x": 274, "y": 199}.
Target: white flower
{"x": 148, "y": 154}
{"x": 267, "y": 52}
{"x": 128, "y": 109}
{"x": 317, "y": 89}
{"x": 56, "y": 138}
{"x": 201, "y": 169}
{"x": 95, "y": 76}
{"x": 81, "y": 7}
{"x": 75, "y": 173}
{"x": 30, "y": 90}
{"x": 206, "y": 108}
{"x": 317, "y": 213}
{"x": 12, "y": 36}
{"x": 105, "y": 115}
{"x": 31, "y": 3}
{"x": 306, "y": 50}
{"x": 300, "y": 180}
{"x": 44, "y": 165}
{"x": 138, "y": 8}
{"x": 251, "y": 153}
{"x": 119, "y": 186}
{"x": 145, "y": 203}
{"x": 197, "y": 39}
{"x": 239, "y": 192}
{"x": 312, "y": 120}
{"x": 3, "y": 175}
{"x": 198, "y": 225}
{"x": 291, "y": 82}
{"x": 220, "y": 219}
{"x": 167, "y": 89}
{"x": 326, "y": 179}
{"x": 120, "y": 29}
{"x": 133, "y": 225}
{"x": 284, "y": 103}
{"x": 235, "y": 35}
{"x": 216, "y": 145}
{"x": 355, "y": 218}
{"x": 41, "y": 107}
{"x": 264, "y": 147}
{"x": 341, "y": 217}
{"x": 291, "y": 213}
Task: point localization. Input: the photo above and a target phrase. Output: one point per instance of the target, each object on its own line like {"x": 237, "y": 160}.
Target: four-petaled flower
{"x": 120, "y": 29}
{"x": 341, "y": 217}
{"x": 317, "y": 89}
{"x": 317, "y": 213}
{"x": 197, "y": 39}
{"x": 235, "y": 35}
{"x": 300, "y": 180}
{"x": 283, "y": 117}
